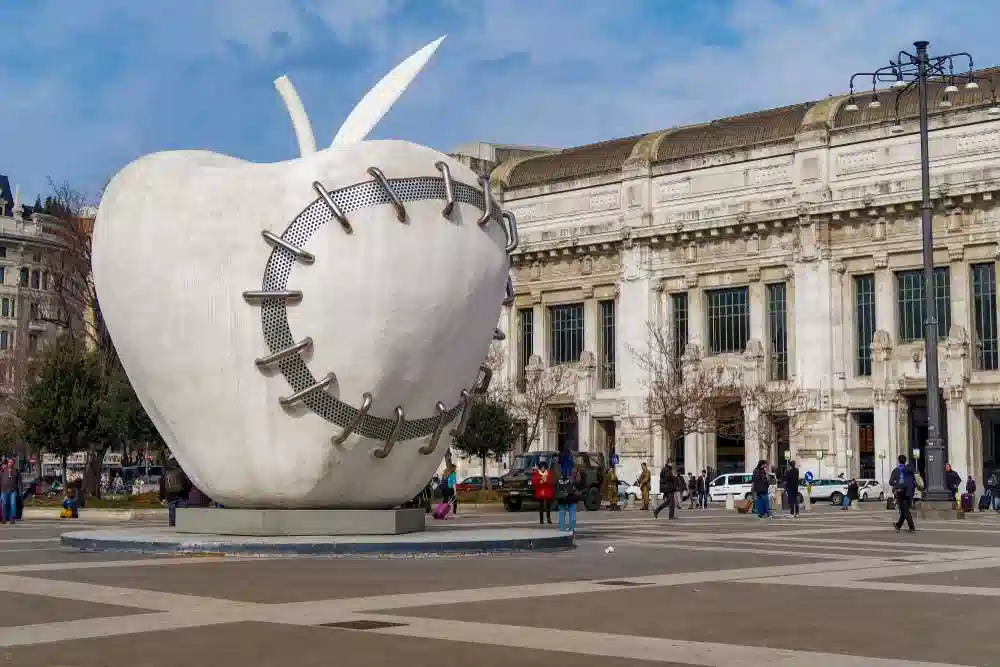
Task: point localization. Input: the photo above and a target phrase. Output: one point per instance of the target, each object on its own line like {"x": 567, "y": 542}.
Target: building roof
{"x": 733, "y": 133}
{"x": 7, "y": 194}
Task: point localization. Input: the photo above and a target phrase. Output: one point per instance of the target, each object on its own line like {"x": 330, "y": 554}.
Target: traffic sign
{"x": 614, "y": 460}
{"x": 809, "y": 476}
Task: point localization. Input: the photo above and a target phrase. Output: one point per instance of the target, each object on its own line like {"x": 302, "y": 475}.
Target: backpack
{"x": 992, "y": 482}
{"x": 919, "y": 481}
{"x": 174, "y": 481}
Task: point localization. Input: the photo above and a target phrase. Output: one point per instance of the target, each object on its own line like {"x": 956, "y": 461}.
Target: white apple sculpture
{"x": 305, "y": 334}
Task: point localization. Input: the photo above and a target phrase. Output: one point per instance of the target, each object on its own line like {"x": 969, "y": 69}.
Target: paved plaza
{"x": 831, "y": 589}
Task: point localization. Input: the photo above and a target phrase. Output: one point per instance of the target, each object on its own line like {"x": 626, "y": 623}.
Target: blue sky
{"x": 89, "y": 86}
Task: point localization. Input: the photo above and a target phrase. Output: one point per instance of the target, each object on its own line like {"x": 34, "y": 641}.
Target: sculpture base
{"x": 430, "y": 542}
{"x": 293, "y": 523}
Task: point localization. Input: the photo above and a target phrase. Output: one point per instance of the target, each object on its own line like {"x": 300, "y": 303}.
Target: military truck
{"x": 517, "y": 490}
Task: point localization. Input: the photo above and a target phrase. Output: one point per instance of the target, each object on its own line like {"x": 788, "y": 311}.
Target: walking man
{"x": 10, "y": 488}
{"x": 701, "y": 490}
{"x": 903, "y": 481}
{"x": 692, "y": 486}
{"x": 792, "y": 488}
{"x": 668, "y": 487}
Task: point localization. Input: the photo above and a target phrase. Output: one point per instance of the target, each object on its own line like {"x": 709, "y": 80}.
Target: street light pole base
{"x": 937, "y": 509}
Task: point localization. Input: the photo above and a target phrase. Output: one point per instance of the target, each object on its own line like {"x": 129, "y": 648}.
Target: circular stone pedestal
{"x": 442, "y": 541}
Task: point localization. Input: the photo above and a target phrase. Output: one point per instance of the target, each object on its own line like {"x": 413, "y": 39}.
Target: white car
{"x": 871, "y": 489}
{"x": 631, "y": 490}
{"x": 833, "y": 490}
{"x": 737, "y": 484}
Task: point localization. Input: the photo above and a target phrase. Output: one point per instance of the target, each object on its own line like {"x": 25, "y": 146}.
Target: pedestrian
{"x": 10, "y": 491}
{"x": 761, "y": 485}
{"x": 953, "y": 481}
{"x": 792, "y": 488}
{"x": 449, "y": 476}
{"x": 644, "y": 483}
{"x": 903, "y": 481}
{"x": 699, "y": 485}
{"x": 174, "y": 489}
{"x": 668, "y": 487}
{"x": 993, "y": 490}
{"x": 567, "y": 496}
{"x": 853, "y": 494}
{"x": 544, "y": 483}
{"x": 692, "y": 485}
{"x": 970, "y": 488}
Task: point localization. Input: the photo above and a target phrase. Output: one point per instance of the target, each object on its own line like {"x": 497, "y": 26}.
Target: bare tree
{"x": 776, "y": 413}
{"x": 683, "y": 396}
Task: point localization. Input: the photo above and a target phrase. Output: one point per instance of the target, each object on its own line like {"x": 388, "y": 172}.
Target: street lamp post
{"x": 908, "y": 72}
{"x": 881, "y": 459}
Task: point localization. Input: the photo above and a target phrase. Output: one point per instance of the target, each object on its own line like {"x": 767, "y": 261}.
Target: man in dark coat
{"x": 903, "y": 481}
{"x": 792, "y": 488}
{"x": 668, "y": 487}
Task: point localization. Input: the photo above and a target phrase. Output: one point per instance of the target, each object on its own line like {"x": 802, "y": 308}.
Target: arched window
{"x": 36, "y": 279}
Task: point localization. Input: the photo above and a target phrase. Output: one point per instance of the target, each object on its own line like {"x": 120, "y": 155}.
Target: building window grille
{"x": 679, "y": 335}
{"x": 910, "y": 301}
{"x": 607, "y": 309}
{"x": 728, "y": 320}
{"x": 864, "y": 322}
{"x": 777, "y": 330}
{"x": 525, "y": 342}
{"x": 984, "y": 307}
{"x": 23, "y": 282}
{"x": 567, "y": 333}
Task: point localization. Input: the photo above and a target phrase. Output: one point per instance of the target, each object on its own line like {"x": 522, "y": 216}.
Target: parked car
{"x": 833, "y": 490}
{"x": 871, "y": 489}
{"x": 737, "y": 484}
{"x": 516, "y": 485}
{"x": 475, "y": 483}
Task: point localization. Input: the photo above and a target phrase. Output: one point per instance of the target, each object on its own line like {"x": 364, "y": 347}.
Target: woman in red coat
{"x": 544, "y": 483}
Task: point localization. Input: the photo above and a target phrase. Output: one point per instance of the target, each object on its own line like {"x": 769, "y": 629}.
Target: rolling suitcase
{"x": 890, "y": 503}
{"x": 984, "y": 502}
{"x": 967, "y": 502}
{"x": 441, "y": 510}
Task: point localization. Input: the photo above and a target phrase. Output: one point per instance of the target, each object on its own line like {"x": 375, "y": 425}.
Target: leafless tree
{"x": 683, "y": 396}
{"x": 779, "y": 411}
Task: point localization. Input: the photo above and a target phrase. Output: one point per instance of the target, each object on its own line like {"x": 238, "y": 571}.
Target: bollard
{"x": 730, "y": 501}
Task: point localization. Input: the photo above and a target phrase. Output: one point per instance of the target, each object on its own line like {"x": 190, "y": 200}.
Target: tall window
{"x": 36, "y": 279}
{"x": 984, "y": 311}
{"x": 5, "y": 309}
{"x": 23, "y": 282}
{"x": 32, "y": 343}
{"x": 777, "y": 330}
{"x": 680, "y": 324}
{"x": 33, "y": 312}
{"x": 4, "y": 340}
{"x": 3, "y": 274}
{"x": 567, "y": 333}
{"x": 728, "y": 320}
{"x": 910, "y": 301}
{"x": 525, "y": 342}
{"x": 864, "y": 322}
{"x": 607, "y": 344}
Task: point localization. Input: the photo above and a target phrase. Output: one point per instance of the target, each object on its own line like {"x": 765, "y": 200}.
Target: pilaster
{"x": 885, "y": 419}
{"x": 885, "y": 297}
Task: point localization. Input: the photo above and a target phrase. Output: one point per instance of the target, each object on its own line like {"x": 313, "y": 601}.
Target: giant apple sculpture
{"x": 306, "y": 333}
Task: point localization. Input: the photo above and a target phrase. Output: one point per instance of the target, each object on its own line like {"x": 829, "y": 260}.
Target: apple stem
{"x": 297, "y": 112}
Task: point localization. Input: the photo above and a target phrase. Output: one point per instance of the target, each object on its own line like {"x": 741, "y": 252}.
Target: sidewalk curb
{"x": 97, "y": 514}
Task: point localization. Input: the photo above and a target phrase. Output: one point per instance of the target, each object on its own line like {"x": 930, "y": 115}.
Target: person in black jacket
{"x": 761, "y": 484}
{"x": 952, "y": 480}
{"x": 668, "y": 489}
{"x": 792, "y": 488}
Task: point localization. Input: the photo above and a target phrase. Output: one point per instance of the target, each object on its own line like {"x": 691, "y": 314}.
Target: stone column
{"x": 591, "y": 320}
{"x": 841, "y": 335}
{"x": 960, "y": 453}
{"x": 885, "y": 434}
{"x": 539, "y": 329}
{"x": 584, "y": 426}
{"x": 758, "y": 308}
{"x": 961, "y": 290}
{"x": 692, "y": 456}
{"x": 696, "y": 313}
{"x": 751, "y": 441}
{"x": 841, "y": 443}
{"x": 885, "y": 297}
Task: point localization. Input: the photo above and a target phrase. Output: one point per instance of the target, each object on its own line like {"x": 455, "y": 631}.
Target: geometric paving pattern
{"x": 830, "y": 589}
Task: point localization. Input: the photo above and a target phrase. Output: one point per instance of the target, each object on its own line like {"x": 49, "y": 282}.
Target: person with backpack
{"x": 993, "y": 491}
{"x": 174, "y": 489}
{"x": 567, "y": 496}
{"x": 903, "y": 481}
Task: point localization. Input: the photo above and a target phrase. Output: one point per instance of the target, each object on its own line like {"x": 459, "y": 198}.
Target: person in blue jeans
{"x": 567, "y": 496}
{"x": 760, "y": 487}
{"x": 10, "y": 491}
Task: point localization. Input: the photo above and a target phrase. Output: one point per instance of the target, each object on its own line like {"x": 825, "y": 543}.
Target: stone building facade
{"x": 31, "y": 246}
{"x": 784, "y": 243}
